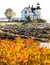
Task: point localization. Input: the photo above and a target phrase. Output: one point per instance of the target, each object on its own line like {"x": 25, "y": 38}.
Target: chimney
{"x": 29, "y": 6}
{"x": 32, "y": 6}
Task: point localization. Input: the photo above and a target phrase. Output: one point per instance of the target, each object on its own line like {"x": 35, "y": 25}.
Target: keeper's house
{"x": 32, "y": 12}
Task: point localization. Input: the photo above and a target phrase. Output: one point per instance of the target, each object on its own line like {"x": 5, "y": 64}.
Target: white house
{"x": 32, "y": 12}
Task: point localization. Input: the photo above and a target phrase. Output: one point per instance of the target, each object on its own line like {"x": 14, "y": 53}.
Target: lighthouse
{"x": 38, "y": 10}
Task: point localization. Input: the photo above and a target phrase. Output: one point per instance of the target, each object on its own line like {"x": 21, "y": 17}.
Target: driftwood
{"x": 39, "y": 31}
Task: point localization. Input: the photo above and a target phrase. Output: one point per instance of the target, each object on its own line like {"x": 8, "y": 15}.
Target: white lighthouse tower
{"x": 38, "y": 11}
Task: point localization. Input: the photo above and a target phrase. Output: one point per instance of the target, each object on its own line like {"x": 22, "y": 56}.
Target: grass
{"x": 17, "y": 23}
{"x": 20, "y": 23}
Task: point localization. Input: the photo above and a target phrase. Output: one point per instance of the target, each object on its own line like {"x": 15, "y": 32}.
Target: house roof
{"x": 38, "y": 7}
{"x": 28, "y": 8}
{"x": 31, "y": 9}
{"x": 38, "y": 4}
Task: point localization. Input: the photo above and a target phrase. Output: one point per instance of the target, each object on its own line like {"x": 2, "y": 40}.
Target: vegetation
{"x": 41, "y": 21}
{"x": 9, "y": 13}
{"x": 17, "y": 23}
{"x": 28, "y": 19}
{"x": 21, "y": 51}
{"x": 35, "y": 21}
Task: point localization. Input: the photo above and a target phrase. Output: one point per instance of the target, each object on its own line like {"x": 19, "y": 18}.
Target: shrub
{"x": 21, "y": 51}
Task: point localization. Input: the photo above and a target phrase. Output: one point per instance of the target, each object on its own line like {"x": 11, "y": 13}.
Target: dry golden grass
{"x": 17, "y": 23}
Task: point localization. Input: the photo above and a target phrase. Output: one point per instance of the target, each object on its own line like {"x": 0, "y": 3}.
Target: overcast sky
{"x": 18, "y": 5}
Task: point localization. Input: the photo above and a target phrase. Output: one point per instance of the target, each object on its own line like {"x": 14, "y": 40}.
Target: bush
{"x": 21, "y": 51}
{"x": 41, "y": 21}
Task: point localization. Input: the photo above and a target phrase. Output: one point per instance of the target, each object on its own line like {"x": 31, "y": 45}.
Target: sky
{"x": 19, "y": 5}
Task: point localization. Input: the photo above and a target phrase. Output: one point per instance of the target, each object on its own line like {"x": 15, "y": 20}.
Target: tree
{"x": 28, "y": 19}
{"x": 9, "y": 13}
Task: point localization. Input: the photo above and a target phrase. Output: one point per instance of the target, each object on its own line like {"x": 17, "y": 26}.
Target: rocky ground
{"x": 40, "y": 31}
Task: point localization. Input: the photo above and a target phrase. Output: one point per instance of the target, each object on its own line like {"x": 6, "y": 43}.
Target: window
{"x": 25, "y": 12}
